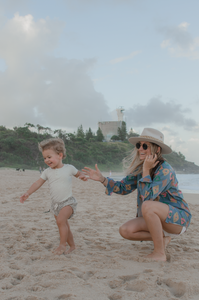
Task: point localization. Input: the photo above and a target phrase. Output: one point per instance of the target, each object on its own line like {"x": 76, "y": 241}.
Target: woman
{"x": 167, "y": 213}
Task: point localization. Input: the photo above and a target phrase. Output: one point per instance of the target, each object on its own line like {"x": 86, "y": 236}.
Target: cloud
{"x": 194, "y": 140}
{"x": 158, "y": 112}
{"x": 120, "y": 59}
{"x": 169, "y": 131}
{"x": 39, "y": 88}
{"x": 180, "y": 42}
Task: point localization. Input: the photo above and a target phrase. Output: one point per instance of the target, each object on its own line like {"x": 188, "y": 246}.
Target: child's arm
{"x": 81, "y": 175}
{"x": 35, "y": 186}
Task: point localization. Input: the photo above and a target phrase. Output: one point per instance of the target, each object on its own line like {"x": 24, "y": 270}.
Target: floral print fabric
{"x": 163, "y": 188}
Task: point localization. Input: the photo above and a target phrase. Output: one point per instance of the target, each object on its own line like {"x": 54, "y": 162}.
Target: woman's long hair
{"x": 134, "y": 165}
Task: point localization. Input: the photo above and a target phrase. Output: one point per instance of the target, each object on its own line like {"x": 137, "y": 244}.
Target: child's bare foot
{"x": 157, "y": 256}
{"x": 60, "y": 250}
{"x": 70, "y": 249}
{"x": 166, "y": 241}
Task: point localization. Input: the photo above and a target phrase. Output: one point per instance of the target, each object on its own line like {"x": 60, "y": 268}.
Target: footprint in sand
{"x": 83, "y": 275}
{"x": 17, "y": 279}
{"x": 147, "y": 271}
{"x": 66, "y": 297}
{"x": 4, "y": 275}
{"x": 136, "y": 286}
{"x": 35, "y": 289}
{"x": 115, "y": 284}
{"x": 177, "y": 289}
{"x": 13, "y": 266}
{"x": 129, "y": 277}
{"x": 115, "y": 297}
{"x": 122, "y": 280}
{"x": 7, "y": 287}
{"x": 33, "y": 298}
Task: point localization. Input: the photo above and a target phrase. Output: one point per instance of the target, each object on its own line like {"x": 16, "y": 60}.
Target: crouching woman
{"x": 162, "y": 212}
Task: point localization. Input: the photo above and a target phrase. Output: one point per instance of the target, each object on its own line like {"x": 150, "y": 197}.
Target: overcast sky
{"x": 64, "y": 63}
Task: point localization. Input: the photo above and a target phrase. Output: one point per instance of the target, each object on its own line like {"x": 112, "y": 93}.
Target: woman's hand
{"x": 93, "y": 174}
{"x": 149, "y": 163}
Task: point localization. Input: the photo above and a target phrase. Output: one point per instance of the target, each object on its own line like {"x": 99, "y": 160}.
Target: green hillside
{"x": 19, "y": 149}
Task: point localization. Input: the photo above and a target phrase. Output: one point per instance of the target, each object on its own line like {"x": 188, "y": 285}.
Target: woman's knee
{"x": 124, "y": 230}
{"x": 147, "y": 206}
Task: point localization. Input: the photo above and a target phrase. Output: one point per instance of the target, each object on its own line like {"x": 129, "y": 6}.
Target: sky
{"x": 66, "y": 63}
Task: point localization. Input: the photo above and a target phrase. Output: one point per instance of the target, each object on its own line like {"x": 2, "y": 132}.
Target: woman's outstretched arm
{"x": 123, "y": 187}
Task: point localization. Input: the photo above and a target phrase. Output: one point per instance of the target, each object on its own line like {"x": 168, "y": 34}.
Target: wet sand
{"x": 104, "y": 266}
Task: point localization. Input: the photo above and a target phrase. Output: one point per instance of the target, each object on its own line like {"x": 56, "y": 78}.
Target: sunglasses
{"x": 144, "y": 146}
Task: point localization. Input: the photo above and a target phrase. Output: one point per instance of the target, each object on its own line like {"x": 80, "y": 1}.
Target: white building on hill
{"x": 110, "y": 128}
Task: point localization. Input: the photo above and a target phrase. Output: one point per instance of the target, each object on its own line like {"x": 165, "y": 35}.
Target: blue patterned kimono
{"x": 163, "y": 188}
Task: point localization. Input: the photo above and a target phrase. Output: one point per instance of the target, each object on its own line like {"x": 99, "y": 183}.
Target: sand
{"x": 104, "y": 266}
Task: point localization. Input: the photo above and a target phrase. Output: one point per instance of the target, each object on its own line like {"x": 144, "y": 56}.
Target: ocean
{"x": 187, "y": 183}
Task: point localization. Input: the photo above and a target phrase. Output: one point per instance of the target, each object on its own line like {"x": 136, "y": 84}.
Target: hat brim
{"x": 165, "y": 149}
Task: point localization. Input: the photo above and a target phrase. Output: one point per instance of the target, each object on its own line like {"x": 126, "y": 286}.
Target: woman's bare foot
{"x": 166, "y": 241}
{"x": 70, "y": 249}
{"x": 157, "y": 256}
{"x": 60, "y": 250}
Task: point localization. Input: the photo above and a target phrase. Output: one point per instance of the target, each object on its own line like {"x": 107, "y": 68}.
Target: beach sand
{"x": 104, "y": 266}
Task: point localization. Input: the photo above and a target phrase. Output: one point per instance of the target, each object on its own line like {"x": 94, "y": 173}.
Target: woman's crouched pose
{"x": 161, "y": 210}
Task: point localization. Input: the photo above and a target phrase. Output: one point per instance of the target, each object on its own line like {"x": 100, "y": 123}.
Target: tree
{"x": 80, "y": 132}
{"x": 122, "y": 133}
{"x": 48, "y": 129}
{"x": 39, "y": 128}
{"x": 89, "y": 134}
{"x": 115, "y": 138}
{"x": 3, "y": 128}
{"x": 100, "y": 136}
{"x": 59, "y": 133}
{"x": 29, "y": 125}
{"x": 181, "y": 155}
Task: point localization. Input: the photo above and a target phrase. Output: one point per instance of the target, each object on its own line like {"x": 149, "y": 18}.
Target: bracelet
{"x": 104, "y": 180}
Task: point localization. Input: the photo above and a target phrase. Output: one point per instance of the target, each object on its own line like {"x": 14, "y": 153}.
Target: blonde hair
{"x": 55, "y": 144}
{"x": 134, "y": 165}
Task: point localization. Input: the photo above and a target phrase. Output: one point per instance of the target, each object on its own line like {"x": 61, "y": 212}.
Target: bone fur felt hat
{"x": 153, "y": 136}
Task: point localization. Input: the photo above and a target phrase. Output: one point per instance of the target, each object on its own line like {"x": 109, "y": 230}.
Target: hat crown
{"x": 153, "y": 134}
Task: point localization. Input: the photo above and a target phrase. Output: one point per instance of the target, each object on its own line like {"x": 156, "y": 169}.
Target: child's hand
{"x": 83, "y": 177}
{"x": 24, "y": 197}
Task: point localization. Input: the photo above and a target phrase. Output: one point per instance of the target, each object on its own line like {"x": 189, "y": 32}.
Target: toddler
{"x": 59, "y": 176}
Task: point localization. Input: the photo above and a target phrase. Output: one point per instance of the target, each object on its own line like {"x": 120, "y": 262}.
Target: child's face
{"x": 52, "y": 159}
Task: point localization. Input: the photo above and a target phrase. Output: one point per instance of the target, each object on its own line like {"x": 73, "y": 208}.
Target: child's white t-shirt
{"x": 60, "y": 182}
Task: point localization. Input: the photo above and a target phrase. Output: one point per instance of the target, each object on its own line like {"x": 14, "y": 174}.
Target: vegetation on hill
{"x": 19, "y": 149}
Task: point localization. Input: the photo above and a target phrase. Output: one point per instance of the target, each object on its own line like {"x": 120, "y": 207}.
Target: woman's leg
{"x": 135, "y": 230}
{"x": 64, "y": 230}
{"x": 150, "y": 226}
{"x": 155, "y": 214}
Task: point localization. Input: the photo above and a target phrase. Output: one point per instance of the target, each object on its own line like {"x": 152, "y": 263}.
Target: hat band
{"x": 150, "y": 137}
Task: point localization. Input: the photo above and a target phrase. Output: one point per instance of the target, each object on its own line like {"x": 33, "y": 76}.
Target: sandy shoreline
{"x": 104, "y": 266}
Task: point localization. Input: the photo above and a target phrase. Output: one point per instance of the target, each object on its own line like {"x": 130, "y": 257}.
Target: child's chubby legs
{"x": 64, "y": 231}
